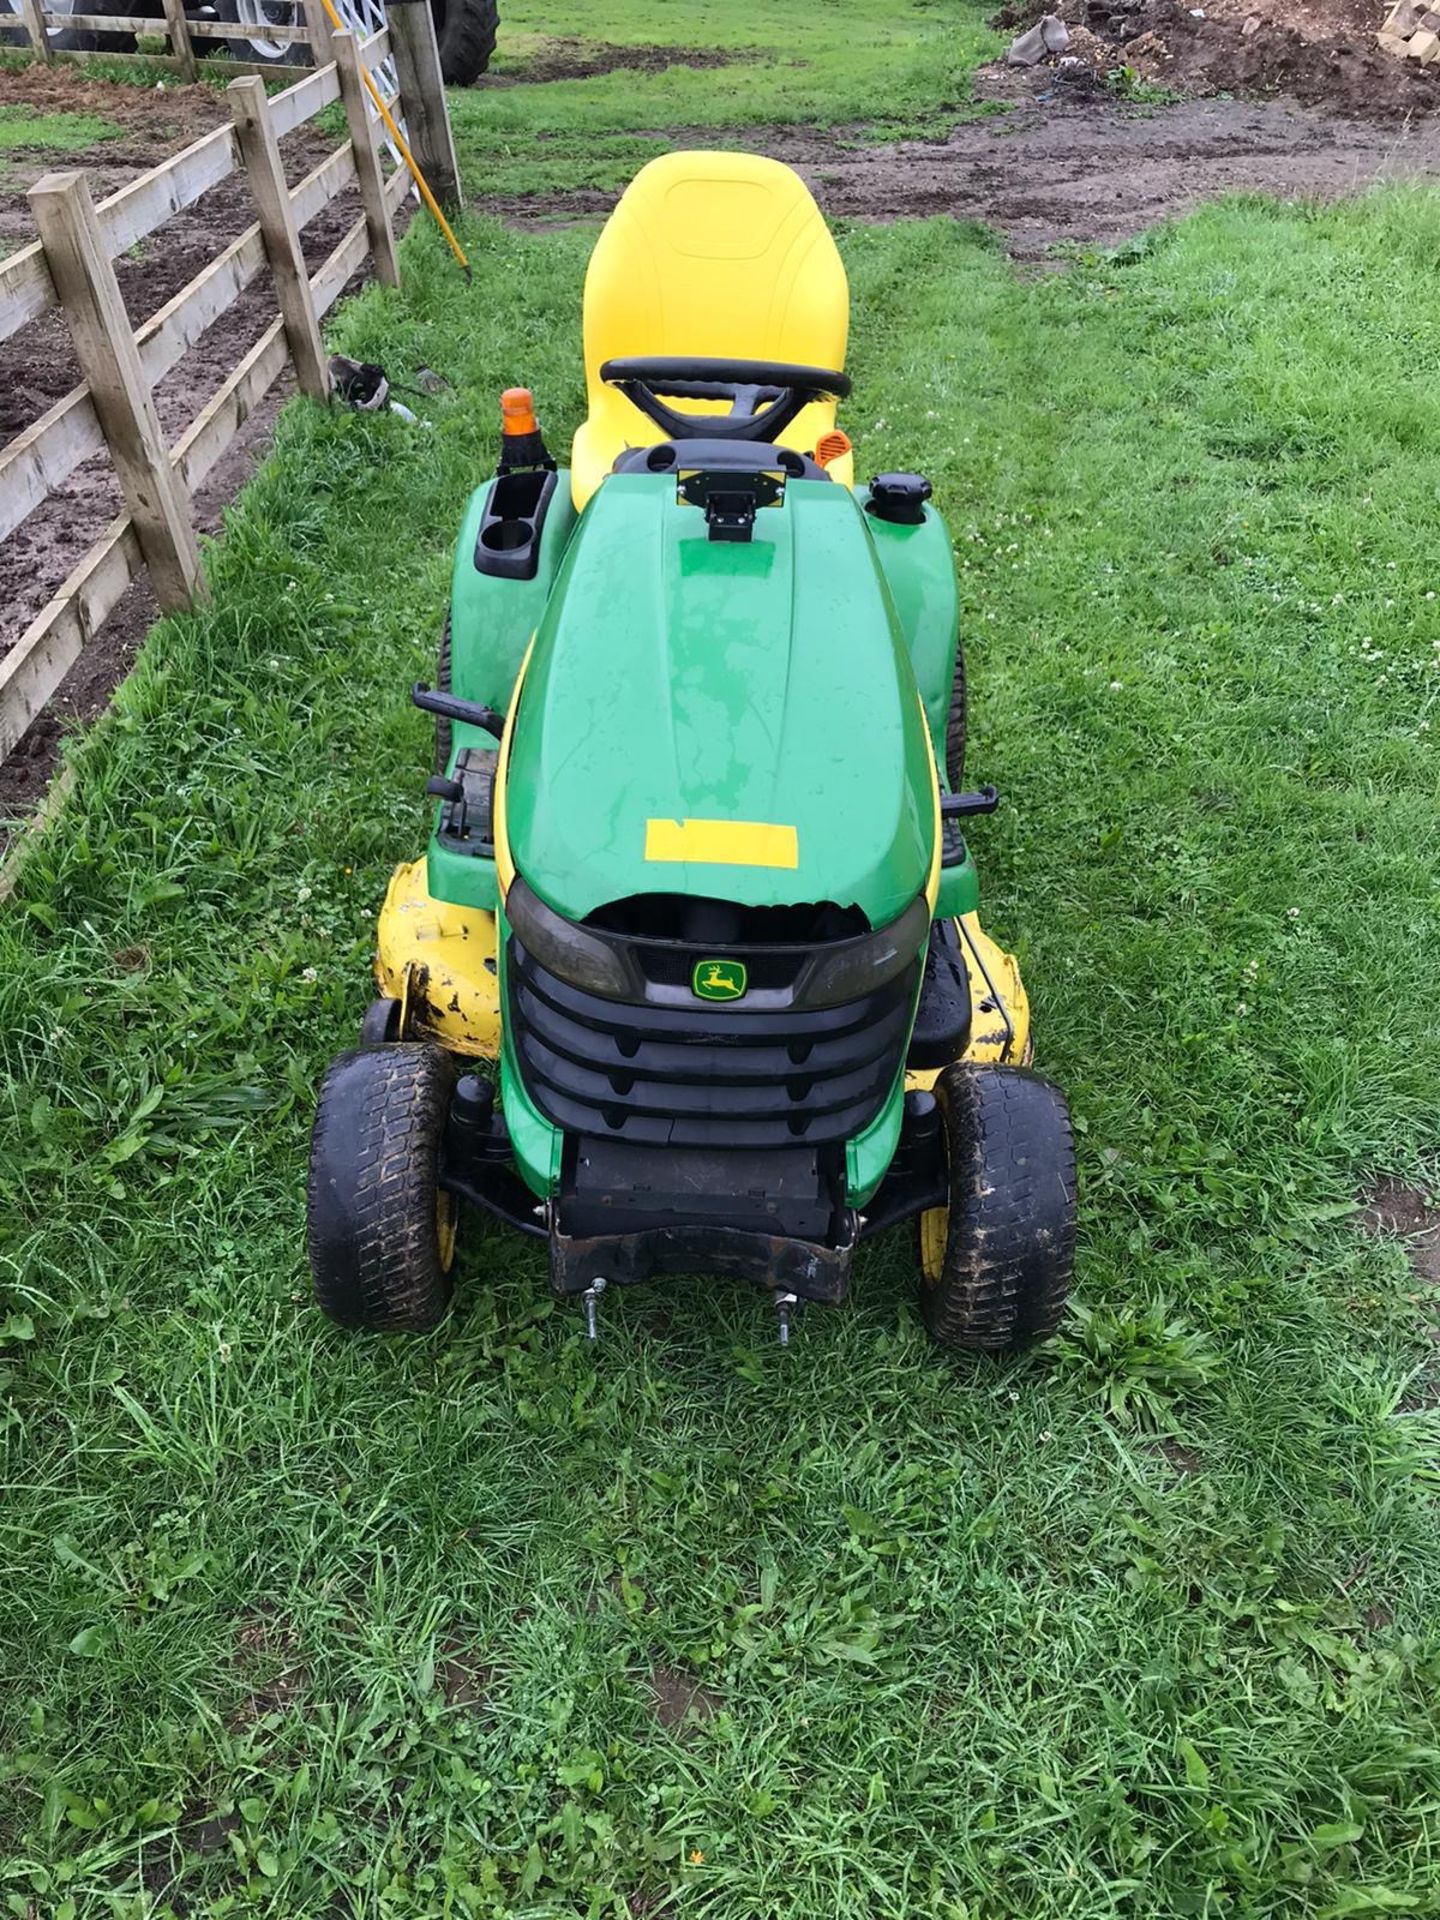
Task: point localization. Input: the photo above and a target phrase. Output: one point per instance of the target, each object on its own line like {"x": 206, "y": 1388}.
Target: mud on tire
{"x": 1003, "y": 1271}
{"x": 380, "y": 1232}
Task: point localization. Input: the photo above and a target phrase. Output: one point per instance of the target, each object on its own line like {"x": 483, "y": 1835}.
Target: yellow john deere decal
{"x": 719, "y": 980}
{"x": 725, "y": 843}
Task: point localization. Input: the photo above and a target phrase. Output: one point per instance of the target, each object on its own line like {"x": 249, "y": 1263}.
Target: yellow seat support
{"x": 723, "y": 255}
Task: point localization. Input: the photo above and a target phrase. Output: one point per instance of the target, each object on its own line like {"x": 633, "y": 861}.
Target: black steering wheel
{"x": 765, "y": 396}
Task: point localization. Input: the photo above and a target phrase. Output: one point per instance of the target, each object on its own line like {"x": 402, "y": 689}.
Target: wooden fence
{"x": 40, "y": 24}
{"x": 71, "y": 266}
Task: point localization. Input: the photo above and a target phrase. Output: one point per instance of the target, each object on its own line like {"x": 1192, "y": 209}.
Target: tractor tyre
{"x": 251, "y": 43}
{"x": 381, "y": 1231}
{"x": 94, "y": 39}
{"x": 466, "y": 32}
{"x": 997, "y": 1261}
{"x": 444, "y": 729}
{"x": 955, "y": 724}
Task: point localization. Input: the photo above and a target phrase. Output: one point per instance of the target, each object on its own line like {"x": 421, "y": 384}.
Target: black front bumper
{"x": 774, "y": 1217}
{"x": 801, "y": 1267}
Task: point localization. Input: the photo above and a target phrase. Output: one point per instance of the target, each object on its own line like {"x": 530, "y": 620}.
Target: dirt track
{"x": 1068, "y": 163}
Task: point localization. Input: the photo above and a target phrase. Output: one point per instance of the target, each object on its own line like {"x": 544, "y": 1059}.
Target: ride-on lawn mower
{"x": 698, "y": 879}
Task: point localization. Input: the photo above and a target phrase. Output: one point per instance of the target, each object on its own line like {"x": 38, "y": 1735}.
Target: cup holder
{"x": 507, "y": 536}
{"x": 510, "y": 529}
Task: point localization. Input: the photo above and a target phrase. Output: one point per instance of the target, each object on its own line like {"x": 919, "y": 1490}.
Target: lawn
{"x": 875, "y": 71}
{"x": 299, "y": 1625}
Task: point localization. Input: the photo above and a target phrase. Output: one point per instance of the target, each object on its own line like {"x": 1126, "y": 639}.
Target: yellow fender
{"x": 439, "y": 961}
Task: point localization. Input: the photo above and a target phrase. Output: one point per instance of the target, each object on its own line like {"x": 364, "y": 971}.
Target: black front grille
{"x": 704, "y": 1076}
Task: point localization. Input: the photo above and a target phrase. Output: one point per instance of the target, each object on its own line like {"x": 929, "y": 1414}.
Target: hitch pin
{"x": 783, "y": 1303}
{"x": 591, "y": 1297}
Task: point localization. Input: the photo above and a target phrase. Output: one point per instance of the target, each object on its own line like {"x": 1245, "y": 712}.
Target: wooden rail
{"x": 112, "y": 410}
{"x": 41, "y": 25}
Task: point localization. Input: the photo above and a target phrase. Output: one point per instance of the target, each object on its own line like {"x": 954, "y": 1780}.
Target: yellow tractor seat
{"x": 711, "y": 255}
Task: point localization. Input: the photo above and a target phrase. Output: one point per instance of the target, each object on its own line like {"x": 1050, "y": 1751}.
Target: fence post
{"x": 261, "y": 153}
{"x": 34, "y": 12}
{"x": 180, "y": 42}
{"x": 367, "y": 158}
{"x": 317, "y": 25}
{"x": 84, "y": 278}
{"x": 422, "y": 96}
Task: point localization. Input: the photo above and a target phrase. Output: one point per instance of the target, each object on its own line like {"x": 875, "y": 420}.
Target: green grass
{"x": 296, "y": 1624}
{"x": 22, "y": 129}
{"x": 878, "y": 72}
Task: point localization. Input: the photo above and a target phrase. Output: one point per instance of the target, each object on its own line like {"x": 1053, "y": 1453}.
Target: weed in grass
{"x": 290, "y": 1615}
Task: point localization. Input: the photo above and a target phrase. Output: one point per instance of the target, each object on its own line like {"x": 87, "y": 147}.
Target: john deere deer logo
{"x": 719, "y": 980}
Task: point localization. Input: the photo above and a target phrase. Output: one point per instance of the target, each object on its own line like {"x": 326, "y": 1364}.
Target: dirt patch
{"x": 206, "y": 1835}
{"x": 40, "y": 367}
{"x": 568, "y": 58}
{"x": 464, "y": 1680}
{"x": 678, "y": 1698}
{"x": 269, "y": 1668}
{"x": 1395, "y": 1210}
{"x": 1064, "y": 166}
{"x": 164, "y": 118}
{"x": 1183, "y": 1460}
{"x": 1314, "y": 51}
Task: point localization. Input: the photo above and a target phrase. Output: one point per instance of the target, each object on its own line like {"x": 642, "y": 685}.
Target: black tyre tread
{"x": 374, "y": 1250}
{"x": 444, "y": 729}
{"x": 955, "y": 724}
{"x": 93, "y": 39}
{"x": 1010, "y": 1248}
{"x": 467, "y": 34}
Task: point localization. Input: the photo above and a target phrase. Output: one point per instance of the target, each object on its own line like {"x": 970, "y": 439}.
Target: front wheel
{"x": 997, "y": 1261}
{"x": 381, "y": 1231}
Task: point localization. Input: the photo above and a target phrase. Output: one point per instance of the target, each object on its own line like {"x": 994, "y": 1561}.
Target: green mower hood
{"x": 738, "y": 720}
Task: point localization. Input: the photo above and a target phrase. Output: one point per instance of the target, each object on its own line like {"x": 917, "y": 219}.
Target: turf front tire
{"x": 465, "y": 31}
{"x": 996, "y": 1263}
{"x": 381, "y": 1232}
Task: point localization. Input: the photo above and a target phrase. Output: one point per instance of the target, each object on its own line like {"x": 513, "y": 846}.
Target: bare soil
{"x": 678, "y": 1697}
{"x": 1314, "y": 51}
{"x": 1067, "y": 163}
{"x": 566, "y": 57}
{"x": 40, "y": 367}
{"x": 1396, "y": 1210}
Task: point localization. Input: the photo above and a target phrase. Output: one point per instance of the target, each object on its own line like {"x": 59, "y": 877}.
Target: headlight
{"x": 857, "y": 967}
{"x": 828, "y": 975}
{"x": 574, "y": 954}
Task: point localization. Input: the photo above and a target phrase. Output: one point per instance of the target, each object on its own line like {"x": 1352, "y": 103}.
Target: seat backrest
{"x": 723, "y": 255}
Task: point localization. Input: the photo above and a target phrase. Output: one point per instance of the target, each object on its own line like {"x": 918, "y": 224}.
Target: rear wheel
{"x": 955, "y": 724}
{"x": 71, "y": 39}
{"x": 444, "y": 730}
{"x": 381, "y": 1232}
{"x": 996, "y": 1263}
{"x": 466, "y": 31}
{"x": 253, "y": 43}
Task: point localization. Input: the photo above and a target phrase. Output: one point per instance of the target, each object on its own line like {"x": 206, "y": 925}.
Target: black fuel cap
{"x": 899, "y": 498}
